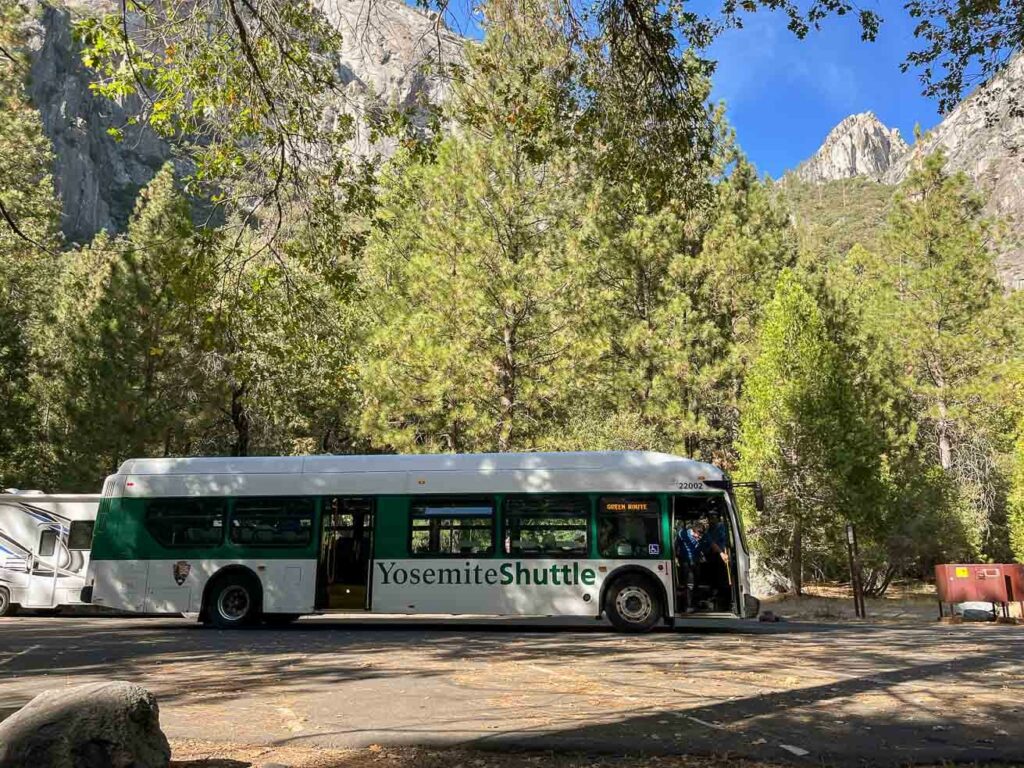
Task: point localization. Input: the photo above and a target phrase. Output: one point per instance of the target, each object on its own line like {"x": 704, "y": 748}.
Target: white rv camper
{"x": 44, "y": 548}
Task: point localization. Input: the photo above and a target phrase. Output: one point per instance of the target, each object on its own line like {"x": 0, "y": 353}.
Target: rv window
{"x": 48, "y": 543}
{"x": 80, "y": 536}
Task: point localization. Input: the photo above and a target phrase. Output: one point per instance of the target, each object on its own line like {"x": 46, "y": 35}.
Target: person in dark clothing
{"x": 715, "y": 572}
{"x": 689, "y": 554}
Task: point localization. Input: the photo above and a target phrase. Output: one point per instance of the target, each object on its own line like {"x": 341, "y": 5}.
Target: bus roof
{"x": 610, "y": 471}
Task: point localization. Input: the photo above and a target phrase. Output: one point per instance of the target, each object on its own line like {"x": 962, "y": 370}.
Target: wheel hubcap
{"x": 634, "y": 604}
{"x": 233, "y": 603}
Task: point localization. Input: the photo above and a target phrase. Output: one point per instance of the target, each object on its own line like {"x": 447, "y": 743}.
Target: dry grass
{"x": 903, "y": 602}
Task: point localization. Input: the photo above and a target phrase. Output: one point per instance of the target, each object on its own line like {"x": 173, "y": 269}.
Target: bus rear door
{"x": 346, "y": 553}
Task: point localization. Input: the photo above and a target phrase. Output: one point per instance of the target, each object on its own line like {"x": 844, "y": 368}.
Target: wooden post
{"x": 855, "y": 582}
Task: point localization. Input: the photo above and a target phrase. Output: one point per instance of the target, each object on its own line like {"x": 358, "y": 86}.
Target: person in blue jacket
{"x": 689, "y": 553}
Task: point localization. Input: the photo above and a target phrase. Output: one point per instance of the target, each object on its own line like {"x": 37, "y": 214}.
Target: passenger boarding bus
{"x": 240, "y": 540}
{"x": 44, "y": 548}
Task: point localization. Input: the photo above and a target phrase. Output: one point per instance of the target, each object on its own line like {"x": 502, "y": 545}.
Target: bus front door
{"x": 345, "y": 553}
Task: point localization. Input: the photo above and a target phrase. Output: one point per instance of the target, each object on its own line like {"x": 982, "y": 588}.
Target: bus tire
{"x": 633, "y": 603}
{"x": 7, "y": 608}
{"x": 234, "y": 601}
{"x": 280, "y": 619}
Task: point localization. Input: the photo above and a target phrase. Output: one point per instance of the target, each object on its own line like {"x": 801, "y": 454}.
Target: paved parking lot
{"x": 812, "y": 693}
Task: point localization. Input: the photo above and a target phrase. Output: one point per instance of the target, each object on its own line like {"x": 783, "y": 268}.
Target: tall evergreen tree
{"x": 648, "y": 157}
{"x": 716, "y": 302}
{"x": 932, "y": 300}
{"x": 29, "y": 241}
{"x": 139, "y": 369}
{"x": 806, "y": 432}
{"x": 468, "y": 279}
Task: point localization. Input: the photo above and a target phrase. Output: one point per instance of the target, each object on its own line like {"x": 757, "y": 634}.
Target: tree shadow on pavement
{"x": 911, "y": 720}
{"x": 844, "y": 694}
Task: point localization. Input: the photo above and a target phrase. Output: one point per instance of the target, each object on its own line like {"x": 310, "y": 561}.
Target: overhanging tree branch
{"x": 19, "y": 232}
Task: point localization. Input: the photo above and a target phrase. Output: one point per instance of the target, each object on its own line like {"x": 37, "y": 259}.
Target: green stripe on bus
{"x": 121, "y": 532}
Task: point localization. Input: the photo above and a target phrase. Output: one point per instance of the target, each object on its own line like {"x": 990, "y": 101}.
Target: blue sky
{"x": 784, "y": 95}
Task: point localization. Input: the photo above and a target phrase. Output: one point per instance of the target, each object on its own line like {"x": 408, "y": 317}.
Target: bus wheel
{"x": 7, "y": 608}
{"x": 633, "y": 604}
{"x": 234, "y": 602}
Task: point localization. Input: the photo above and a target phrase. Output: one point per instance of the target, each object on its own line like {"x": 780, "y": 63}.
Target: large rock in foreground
{"x": 98, "y": 725}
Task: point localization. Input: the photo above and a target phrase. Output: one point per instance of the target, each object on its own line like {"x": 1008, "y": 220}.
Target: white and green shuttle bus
{"x": 243, "y": 540}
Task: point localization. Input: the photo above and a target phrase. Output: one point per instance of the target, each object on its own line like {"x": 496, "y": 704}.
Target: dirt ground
{"x": 902, "y": 603}
{"x": 497, "y": 693}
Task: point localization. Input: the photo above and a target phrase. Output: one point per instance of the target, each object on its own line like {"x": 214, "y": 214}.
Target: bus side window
{"x": 273, "y": 522}
{"x": 452, "y": 527}
{"x": 629, "y": 527}
{"x": 547, "y": 525}
{"x": 186, "y": 522}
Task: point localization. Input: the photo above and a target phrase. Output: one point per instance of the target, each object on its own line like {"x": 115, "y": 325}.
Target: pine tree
{"x": 1015, "y": 516}
{"x": 715, "y": 304}
{"x": 806, "y": 432}
{"x": 140, "y": 345}
{"x": 931, "y": 298}
{"x": 467, "y": 278}
{"x": 29, "y": 242}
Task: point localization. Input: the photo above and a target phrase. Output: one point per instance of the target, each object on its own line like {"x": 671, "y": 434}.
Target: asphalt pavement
{"x": 842, "y": 694}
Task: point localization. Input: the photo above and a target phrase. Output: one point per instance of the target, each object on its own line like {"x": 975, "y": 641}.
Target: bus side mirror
{"x": 755, "y": 486}
{"x": 758, "y": 497}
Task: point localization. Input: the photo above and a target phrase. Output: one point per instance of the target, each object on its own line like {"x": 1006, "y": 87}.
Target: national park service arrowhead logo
{"x": 181, "y": 572}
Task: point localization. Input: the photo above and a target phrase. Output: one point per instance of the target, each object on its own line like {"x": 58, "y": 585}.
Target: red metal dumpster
{"x": 1001, "y": 583}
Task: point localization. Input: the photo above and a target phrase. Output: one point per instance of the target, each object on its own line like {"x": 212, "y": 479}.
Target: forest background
{"x": 571, "y": 253}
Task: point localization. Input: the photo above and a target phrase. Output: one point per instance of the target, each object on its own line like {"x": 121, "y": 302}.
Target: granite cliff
{"x": 859, "y": 146}
{"x": 388, "y": 56}
{"x": 97, "y": 178}
{"x": 983, "y": 137}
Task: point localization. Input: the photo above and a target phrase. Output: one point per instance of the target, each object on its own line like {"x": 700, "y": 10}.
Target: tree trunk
{"x": 796, "y": 558}
{"x": 878, "y": 580}
{"x": 945, "y": 446}
{"x": 507, "y": 383}
{"x": 240, "y": 420}
{"x": 942, "y": 428}
{"x": 327, "y": 441}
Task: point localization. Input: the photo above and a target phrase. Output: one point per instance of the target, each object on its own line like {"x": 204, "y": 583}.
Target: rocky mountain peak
{"x": 983, "y": 137}
{"x": 861, "y": 145}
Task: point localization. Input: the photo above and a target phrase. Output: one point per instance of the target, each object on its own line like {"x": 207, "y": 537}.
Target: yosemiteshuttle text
{"x": 504, "y": 574}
